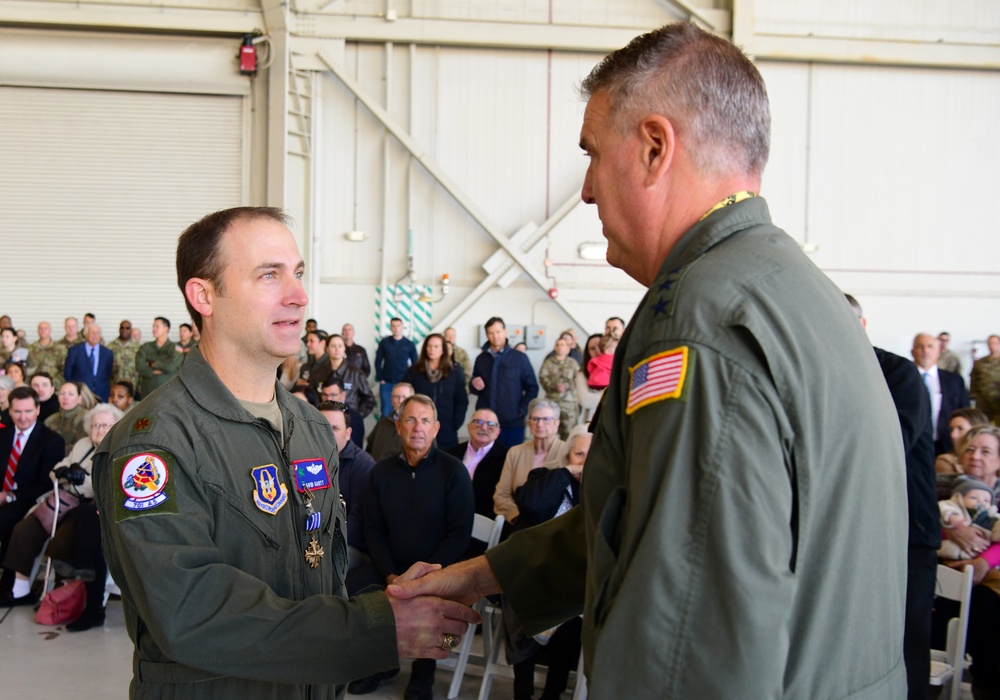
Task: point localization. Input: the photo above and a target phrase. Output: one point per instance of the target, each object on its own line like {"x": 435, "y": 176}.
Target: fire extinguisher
{"x": 248, "y": 56}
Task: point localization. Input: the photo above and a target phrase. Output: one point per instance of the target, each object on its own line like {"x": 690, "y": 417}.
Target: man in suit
{"x": 946, "y": 389}
{"x": 28, "y": 451}
{"x": 91, "y": 363}
{"x": 483, "y": 455}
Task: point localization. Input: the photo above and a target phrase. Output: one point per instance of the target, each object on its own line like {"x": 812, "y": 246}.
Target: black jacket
{"x": 448, "y": 395}
{"x": 913, "y": 406}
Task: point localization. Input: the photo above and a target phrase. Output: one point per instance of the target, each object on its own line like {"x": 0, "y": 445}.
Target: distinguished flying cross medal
{"x": 314, "y": 553}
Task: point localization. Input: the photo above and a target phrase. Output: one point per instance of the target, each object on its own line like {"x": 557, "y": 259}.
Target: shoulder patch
{"x": 145, "y": 483}
{"x": 658, "y": 378}
{"x": 142, "y": 424}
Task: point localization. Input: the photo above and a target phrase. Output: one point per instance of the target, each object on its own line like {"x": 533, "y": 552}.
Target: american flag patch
{"x": 657, "y": 378}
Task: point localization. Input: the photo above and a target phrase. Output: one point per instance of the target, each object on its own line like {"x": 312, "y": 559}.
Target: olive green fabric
{"x": 218, "y": 597}
{"x": 747, "y": 539}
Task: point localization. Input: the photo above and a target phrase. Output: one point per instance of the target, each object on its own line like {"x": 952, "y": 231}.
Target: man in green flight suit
{"x": 743, "y": 519}
{"x": 157, "y": 361}
{"x": 220, "y": 509}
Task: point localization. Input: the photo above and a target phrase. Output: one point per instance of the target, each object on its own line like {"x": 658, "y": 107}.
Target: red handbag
{"x": 63, "y": 604}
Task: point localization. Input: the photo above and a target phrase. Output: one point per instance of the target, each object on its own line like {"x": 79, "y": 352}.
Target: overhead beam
{"x": 428, "y": 163}
{"x": 125, "y": 15}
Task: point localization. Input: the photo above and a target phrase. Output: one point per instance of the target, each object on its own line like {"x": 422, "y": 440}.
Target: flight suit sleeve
{"x": 692, "y": 555}
{"x": 203, "y": 611}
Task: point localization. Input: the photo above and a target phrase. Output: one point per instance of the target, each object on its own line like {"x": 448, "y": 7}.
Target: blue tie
{"x": 92, "y": 354}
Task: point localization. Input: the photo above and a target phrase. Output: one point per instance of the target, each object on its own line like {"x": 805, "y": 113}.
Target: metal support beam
{"x": 496, "y": 275}
{"x": 276, "y": 19}
{"x": 438, "y": 174}
{"x": 145, "y": 16}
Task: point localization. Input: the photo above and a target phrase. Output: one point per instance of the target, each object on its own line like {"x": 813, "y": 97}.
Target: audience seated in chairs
{"x": 547, "y": 493}
{"x": 418, "y": 507}
{"x": 76, "y": 545}
{"x": 981, "y": 460}
{"x": 545, "y": 448}
{"x": 75, "y": 399}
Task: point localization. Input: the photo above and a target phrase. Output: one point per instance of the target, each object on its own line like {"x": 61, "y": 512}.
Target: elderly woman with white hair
{"x": 76, "y": 545}
{"x": 6, "y": 386}
{"x": 545, "y": 449}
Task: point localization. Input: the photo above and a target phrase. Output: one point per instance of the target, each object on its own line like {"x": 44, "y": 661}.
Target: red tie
{"x": 15, "y": 454}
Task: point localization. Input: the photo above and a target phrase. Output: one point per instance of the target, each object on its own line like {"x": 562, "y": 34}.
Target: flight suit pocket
{"x": 247, "y": 520}
{"x": 607, "y": 546}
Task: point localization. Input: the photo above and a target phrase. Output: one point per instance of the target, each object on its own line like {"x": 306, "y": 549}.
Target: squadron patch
{"x": 269, "y": 495}
{"x": 310, "y": 474}
{"x": 658, "y": 378}
{"x": 146, "y": 485}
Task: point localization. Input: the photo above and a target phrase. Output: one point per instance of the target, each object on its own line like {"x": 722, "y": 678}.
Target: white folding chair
{"x": 947, "y": 666}
{"x": 486, "y": 531}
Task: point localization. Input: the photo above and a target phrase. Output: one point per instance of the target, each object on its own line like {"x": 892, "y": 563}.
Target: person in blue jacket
{"x": 504, "y": 381}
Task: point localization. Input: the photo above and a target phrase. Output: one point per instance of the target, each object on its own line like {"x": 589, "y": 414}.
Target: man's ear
{"x": 200, "y": 293}
{"x": 659, "y": 143}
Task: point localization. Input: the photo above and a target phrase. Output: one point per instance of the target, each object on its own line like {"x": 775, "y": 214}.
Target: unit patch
{"x": 310, "y": 474}
{"x": 658, "y": 378}
{"x": 269, "y": 495}
{"x": 146, "y": 485}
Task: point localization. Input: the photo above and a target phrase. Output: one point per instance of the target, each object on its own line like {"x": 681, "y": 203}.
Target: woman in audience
{"x": 6, "y": 386}
{"x": 981, "y": 459}
{"x": 436, "y": 376}
{"x": 16, "y": 371}
{"x": 959, "y": 423}
{"x": 558, "y": 377}
{"x": 545, "y": 449}
{"x": 75, "y": 399}
{"x": 359, "y": 394}
{"x": 76, "y": 546}
{"x": 547, "y": 493}
{"x": 316, "y": 368}
{"x": 288, "y": 372}
{"x": 588, "y": 398}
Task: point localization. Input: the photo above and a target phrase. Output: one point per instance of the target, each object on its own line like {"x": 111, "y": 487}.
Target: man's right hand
{"x": 478, "y": 384}
{"x": 423, "y": 622}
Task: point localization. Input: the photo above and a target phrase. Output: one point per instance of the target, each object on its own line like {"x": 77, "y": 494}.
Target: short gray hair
{"x": 705, "y": 85}
{"x": 422, "y": 399}
{"x": 6, "y": 383}
{"x": 543, "y": 403}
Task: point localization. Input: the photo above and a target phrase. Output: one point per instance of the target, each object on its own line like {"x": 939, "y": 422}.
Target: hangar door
{"x": 95, "y": 186}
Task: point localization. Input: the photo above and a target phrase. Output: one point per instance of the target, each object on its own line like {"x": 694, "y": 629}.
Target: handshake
{"x": 432, "y": 605}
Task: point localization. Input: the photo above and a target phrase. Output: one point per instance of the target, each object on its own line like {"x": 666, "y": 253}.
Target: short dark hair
{"x": 23, "y": 392}
{"x": 90, "y": 315}
{"x": 331, "y": 380}
{"x": 129, "y": 387}
{"x": 493, "y": 321}
{"x": 395, "y": 318}
{"x": 855, "y": 305}
{"x": 165, "y": 321}
{"x": 198, "y": 248}
{"x": 186, "y": 325}
{"x": 335, "y": 406}
{"x": 44, "y": 375}
{"x": 615, "y": 318}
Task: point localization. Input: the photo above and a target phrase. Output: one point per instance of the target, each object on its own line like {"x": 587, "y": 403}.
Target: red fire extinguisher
{"x": 248, "y": 56}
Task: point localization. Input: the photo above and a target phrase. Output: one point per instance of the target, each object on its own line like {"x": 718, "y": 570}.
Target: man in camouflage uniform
{"x": 984, "y": 384}
{"x": 458, "y": 354}
{"x": 948, "y": 360}
{"x": 125, "y": 350}
{"x": 558, "y": 378}
{"x": 45, "y": 355}
{"x": 73, "y": 335}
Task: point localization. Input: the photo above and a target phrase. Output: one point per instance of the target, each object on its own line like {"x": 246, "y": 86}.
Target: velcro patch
{"x": 146, "y": 488}
{"x": 658, "y": 378}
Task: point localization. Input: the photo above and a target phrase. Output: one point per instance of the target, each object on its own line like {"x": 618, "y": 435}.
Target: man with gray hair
{"x": 724, "y": 542}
